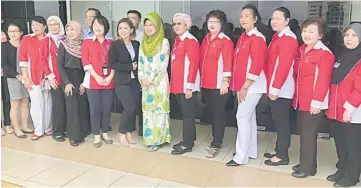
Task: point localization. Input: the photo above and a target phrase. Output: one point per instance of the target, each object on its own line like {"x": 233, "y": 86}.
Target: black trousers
{"x": 217, "y": 103}
{"x": 347, "y": 138}
{"x": 309, "y": 127}
{"x": 188, "y": 108}
{"x": 137, "y": 92}
{"x": 100, "y": 106}
{"x": 127, "y": 97}
{"x": 5, "y": 97}
{"x": 280, "y": 110}
{"x": 58, "y": 116}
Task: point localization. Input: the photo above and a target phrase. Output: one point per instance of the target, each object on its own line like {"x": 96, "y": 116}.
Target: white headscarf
{"x": 61, "y": 34}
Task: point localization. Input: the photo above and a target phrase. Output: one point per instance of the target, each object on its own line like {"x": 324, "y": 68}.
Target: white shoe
{"x": 3, "y": 132}
{"x": 9, "y": 130}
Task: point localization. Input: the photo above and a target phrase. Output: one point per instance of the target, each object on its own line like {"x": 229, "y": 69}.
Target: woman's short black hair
{"x": 285, "y": 11}
{"x": 256, "y": 14}
{"x": 220, "y": 15}
{"x": 16, "y": 25}
{"x": 39, "y": 19}
{"x": 103, "y": 21}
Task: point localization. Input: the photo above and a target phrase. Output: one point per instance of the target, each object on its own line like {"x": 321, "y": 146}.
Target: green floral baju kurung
{"x": 155, "y": 98}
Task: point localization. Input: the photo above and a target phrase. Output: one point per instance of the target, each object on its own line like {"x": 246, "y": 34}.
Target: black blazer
{"x": 121, "y": 62}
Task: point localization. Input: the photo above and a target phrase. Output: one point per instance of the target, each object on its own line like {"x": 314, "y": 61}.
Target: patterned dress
{"x": 155, "y": 98}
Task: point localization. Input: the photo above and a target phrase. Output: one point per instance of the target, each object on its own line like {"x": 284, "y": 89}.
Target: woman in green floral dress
{"x": 152, "y": 74}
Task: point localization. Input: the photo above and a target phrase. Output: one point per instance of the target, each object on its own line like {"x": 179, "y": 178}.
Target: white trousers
{"x": 246, "y": 143}
{"x": 40, "y": 109}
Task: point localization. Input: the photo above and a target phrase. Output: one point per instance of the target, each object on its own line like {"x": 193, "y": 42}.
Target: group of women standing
{"x": 304, "y": 77}
{"x": 311, "y": 79}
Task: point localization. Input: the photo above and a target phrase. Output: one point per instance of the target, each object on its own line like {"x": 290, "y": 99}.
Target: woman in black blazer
{"x": 123, "y": 58}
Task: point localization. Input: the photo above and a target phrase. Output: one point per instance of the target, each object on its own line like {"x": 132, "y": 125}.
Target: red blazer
{"x": 346, "y": 95}
{"x": 49, "y": 55}
{"x": 185, "y": 64}
{"x": 216, "y": 60}
{"x": 313, "y": 75}
{"x": 94, "y": 55}
{"x": 282, "y": 53}
{"x": 249, "y": 61}
{"x": 30, "y": 56}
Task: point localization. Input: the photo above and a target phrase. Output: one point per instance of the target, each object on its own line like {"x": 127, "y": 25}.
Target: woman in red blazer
{"x": 282, "y": 53}
{"x": 185, "y": 79}
{"x": 313, "y": 75}
{"x": 249, "y": 82}
{"x": 215, "y": 69}
{"x": 345, "y": 110}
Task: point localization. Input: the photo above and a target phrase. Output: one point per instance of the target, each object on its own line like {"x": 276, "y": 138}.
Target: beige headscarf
{"x": 73, "y": 46}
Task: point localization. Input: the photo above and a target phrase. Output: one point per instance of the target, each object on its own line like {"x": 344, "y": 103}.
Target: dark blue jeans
{"x": 100, "y": 106}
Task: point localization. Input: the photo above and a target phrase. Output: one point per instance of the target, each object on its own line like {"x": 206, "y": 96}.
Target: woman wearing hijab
{"x": 185, "y": 79}
{"x": 345, "y": 109}
{"x": 72, "y": 74}
{"x": 49, "y": 52}
{"x": 35, "y": 72}
{"x": 152, "y": 74}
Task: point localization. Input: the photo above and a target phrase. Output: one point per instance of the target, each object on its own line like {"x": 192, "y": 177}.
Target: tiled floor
{"x": 49, "y": 163}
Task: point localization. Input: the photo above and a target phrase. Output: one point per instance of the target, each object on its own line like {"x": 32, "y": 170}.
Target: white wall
{"x": 78, "y": 9}
{"x": 120, "y": 9}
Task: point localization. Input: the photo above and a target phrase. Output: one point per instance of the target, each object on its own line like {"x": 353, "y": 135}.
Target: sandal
{"x": 49, "y": 133}
{"x": 35, "y": 137}
{"x": 154, "y": 148}
{"x": 213, "y": 152}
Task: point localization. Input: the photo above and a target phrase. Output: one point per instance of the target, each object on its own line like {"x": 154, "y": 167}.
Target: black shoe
{"x": 344, "y": 182}
{"x": 232, "y": 163}
{"x": 269, "y": 155}
{"x": 299, "y": 174}
{"x": 296, "y": 167}
{"x": 75, "y": 143}
{"x": 59, "y": 138}
{"x": 180, "y": 150}
{"x": 279, "y": 163}
{"x": 66, "y": 135}
{"x": 175, "y": 146}
{"x": 336, "y": 176}
{"x": 140, "y": 132}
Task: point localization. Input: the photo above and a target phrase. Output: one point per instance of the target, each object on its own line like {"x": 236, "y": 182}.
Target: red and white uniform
{"x": 185, "y": 64}
{"x": 346, "y": 96}
{"x": 249, "y": 60}
{"x": 215, "y": 60}
{"x": 49, "y": 55}
{"x": 313, "y": 75}
{"x": 31, "y": 56}
{"x": 94, "y": 55}
{"x": 282, "y": 53}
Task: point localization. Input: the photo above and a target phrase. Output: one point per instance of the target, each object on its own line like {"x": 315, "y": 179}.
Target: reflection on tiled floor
{"x": 49, "y": 163}
{"x": 266, "y": 143}
{"x": 55, "y": 172}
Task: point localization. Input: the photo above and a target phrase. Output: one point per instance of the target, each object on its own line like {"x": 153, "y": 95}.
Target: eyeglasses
{"x": 14, "y": 31}
{"x": 174, "y": 24}
{"x": 214, "y": 21}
